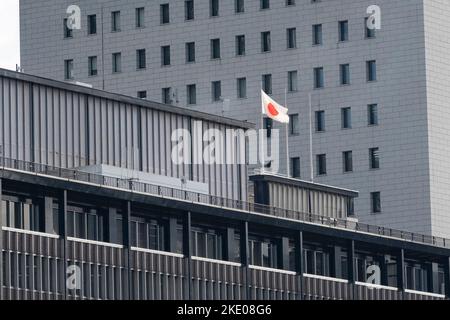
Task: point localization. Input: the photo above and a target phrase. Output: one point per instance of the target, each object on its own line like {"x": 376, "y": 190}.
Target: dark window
{"x": 21, "y": 214}
{"x": 115, "y": 21}
{"x": 165, "y": 55}
{"x": 344, "y": 74}
{"x": 68, "y": 32}
{"x": 263, "y": 252}
{"x": 347, "y": 158}
{"x": 147, "y": 233}
{"x": 321, "y": 164}
{"x": 371, "y": 67}
{"x": 241, "y": 88}
{"x": 191, "y": 92}
{"x": 68, "y": 69}
{"x": 164, "y": 13}
{"x": 372, "y": 114}
{"x": 318, "y": 78}
{"x": 264, "y": 4}
{"x": 216, "y": 91}
{"x": 320, "y": 121}
{"x": 92, "y": 24}
{"x": 85, "y": 224}
{"x": 375, "y": 199}
{"x": 291, "y": 35}
{"x": 343, "y": 30}
{"x": 294, "y": 124}
{"x": 267, "y": 83}
{"x": 207, "y": 243}
{"x": 190, "y": 52}
{"x": 316, "y": 262}
{"x": 141, "y": 60}
{"x": 370, "y": 33}
{"x": 140, "y": 17}
{"x": 215, "y": 49}
{"x": 92, "y": 61}
{"x": 265, "y": 41}
{"x": 189, "y": 10}
{"x": 346, "y": 118}
{"x": 374, "y": 158}
{"x": 116, "y": 62}
{"x": 239, "y": 6}
{"x": 214, "y": 8}
{"x": 240, "y": 45}
{"x": 290, "y": 3}
{"x": 142, "y": 94}
{"x": 295, "y": 167}
{"x": 166, "y": 95}
{"x": 292, "y": 81}
{"x": 317, "y": 34}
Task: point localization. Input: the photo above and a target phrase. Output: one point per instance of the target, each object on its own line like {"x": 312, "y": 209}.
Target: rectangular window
{"x": 375, "y": 200}
{"x": 346, "y": 118}
{"x": 344, "y": 70}
{"x": 216, "y": 91}
{"x": 165, "y": 55}
{"x": 92, "y": 66}
{"x": 115, "y": 21}
{"x": 116, "y": 62}
{"x": 68, "y": 69}
{"x": 292, "y": 81}
{"x": 347, "y": 159}
{"x": 294, "y": 125}
{"x": 372, "y": 114}
{"x": 190, "y": 52}
{"x": 240, "y": 45}
{"x": 318, "y": 78}
{"x": 265, "y": 4}
{"x": 290, "y": 3}
{"x": 92, "y": 24}
{"x": 291, "y": 35}
{"x": 241, "y": 88}
{"x": 166, "y": 96}
{"x": 321, "y": 164}
{"x": 371, "y": 67}
{"x": 317, "y": 34}
{"x": 267, "y": 83}
{"x": 142, "y": 94}
{"x": 215, "y": 49}
{"x": 295, "y": 167}
{"x": 68, "y": 32}
{"x": 343, "y": 30}
{"x": 141, "y": 60}
{"x": 164, "y": 13}
{"x": 191, "y": 93}
{"x": 140, "y": 17}
{"x": 265, "y": 41}
{"x": 370, "y": 32}
{"x": 239, "y": 6}
{"x": 189, "y": 10}
{"x": 214, "y": 8}
{"x": 374, "y": 158}
{"x": 320, "y": 121}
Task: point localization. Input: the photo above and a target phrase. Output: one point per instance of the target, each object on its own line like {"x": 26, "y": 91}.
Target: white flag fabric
{"x": 273, "y": 109}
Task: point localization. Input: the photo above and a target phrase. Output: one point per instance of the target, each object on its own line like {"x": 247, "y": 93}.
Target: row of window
{"x": 189, "y": 14}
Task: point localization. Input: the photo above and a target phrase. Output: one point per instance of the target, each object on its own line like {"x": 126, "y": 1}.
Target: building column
{"x": 284, "y": 254}
{"x": 299, "y": 263}
{"x": 172, "y": 237}
{"x": 447, "y": 276}
{"x": 230, "y": 249}
{"x": 401, "y": 279}
{"x": 48, "y": 216}
{"x": 433, "y": 277}
{"x": 1, "y": 240}
{"x": 187, "y": 251}
{"x": 351, "y": 261}
{"x": 111, "y": 235}
{"x": 126, "y": 227}
{"x": 245, "y": 258}
{"x": 62, "y": 214}
{"x": 335, "y": 265}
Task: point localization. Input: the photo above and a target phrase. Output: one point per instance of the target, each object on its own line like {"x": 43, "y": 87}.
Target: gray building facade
{"x": 378, "y": 99}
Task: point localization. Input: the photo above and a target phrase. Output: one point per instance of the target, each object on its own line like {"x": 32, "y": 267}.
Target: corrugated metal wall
{"x": 54, "y": 126}
{"x": 297, "y": 199}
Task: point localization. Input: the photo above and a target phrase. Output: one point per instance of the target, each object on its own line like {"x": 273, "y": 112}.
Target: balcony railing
{"x": 205, "y": 199}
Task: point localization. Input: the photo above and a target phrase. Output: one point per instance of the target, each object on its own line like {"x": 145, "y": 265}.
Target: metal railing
{"x": 131, "y": 185}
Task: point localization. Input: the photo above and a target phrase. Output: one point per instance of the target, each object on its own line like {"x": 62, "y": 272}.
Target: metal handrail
{"x": 207, "y": 199}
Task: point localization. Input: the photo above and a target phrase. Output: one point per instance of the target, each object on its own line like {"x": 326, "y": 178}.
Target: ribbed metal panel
{"x": 271, "y": 285}
{"x": 53, "y": 126}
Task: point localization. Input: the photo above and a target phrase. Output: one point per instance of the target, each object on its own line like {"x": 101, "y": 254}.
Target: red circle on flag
{"x": 272, "y": 110}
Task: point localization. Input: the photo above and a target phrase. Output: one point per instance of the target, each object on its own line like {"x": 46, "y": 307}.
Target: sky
{"x": 9, "y": 34}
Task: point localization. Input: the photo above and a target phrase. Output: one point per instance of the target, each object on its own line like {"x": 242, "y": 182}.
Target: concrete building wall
{"x": 400, "y": 90}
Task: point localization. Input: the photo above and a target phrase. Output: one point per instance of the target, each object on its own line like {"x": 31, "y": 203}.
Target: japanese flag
{"x": 274, "y": 110}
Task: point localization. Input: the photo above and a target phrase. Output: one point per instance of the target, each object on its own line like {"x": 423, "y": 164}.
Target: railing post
{"x": 351, "y": 260}
{"x": 245, "y": 259}
{"x": 401, "y": 280}
{"x": 126, "y": 220}
{"x": 299, "y": 263}
{"x": 62, "y": 208}
{"x": 187, "y": 230}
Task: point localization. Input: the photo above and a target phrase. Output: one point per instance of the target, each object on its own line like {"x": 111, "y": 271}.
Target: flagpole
{"x": 310, "y": 139}
{"x": 261, "y": 149}
{"x": 288, "y": 169}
